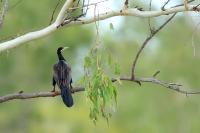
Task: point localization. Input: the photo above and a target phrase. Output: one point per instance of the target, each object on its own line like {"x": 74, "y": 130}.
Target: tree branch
{"x": 152, "y": 34}
{"x": 171, "y": 86}
{"x": 163, "y": 7}
{"x": 190, "y": 1}
{"x": 124, "y": 12}
{"x": 52, "y": 16}
{"x": 61, "y": 15}
{"x": 37, "y": 34}
{"x": 4, "y": 10}
{"x": 22, "y": 95}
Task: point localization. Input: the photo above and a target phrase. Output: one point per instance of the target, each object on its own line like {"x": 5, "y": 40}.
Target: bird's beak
{"x": 64, "y": 48}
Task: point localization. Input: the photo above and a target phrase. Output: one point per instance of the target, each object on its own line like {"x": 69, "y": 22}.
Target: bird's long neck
{"x": 60, "y": 56}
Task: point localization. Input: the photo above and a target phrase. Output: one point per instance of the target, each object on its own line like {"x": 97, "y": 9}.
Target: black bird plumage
{"x": 62, "y": 77}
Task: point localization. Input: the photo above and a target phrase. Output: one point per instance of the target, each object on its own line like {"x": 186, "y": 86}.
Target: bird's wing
{"x": 62, "y": 73}
{"x": 55, "y": 72}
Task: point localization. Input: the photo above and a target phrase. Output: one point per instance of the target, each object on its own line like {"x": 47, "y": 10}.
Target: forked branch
{"x": 152, "y": 34}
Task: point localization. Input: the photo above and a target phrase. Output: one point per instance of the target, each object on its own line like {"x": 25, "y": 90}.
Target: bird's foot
{"x": 53, "y": 90}
{"x": 72, "y": 89}
{"x": 55, "y": 93}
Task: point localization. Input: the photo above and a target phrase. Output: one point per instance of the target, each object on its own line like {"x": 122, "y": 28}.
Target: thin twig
{"x": 174, "y": 86}
{"x": 96, "y": 17}
{"x": 196, "y": 8}
{"x": 15, "y": 4}
{"x": 156, "y": 73}
{"x": 52, "y": 16}
{"x": 88, "y": 7}
{"x": 193, "y": 34}
{"x": 4, "y": 10}
{"x": 91, "y": 4}
{"x": 145, "y": 43}
{"x": 182, "y": 4}
{"x": 163, "y": 7}
{"x": 149, "y": 19}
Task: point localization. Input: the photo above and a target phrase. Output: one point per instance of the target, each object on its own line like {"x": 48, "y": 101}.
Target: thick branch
{"x": 37, "y": 34}
{"x": 62, "y": 12}
{"x": 124, "y": 12}
{"x": 132, "y": 12}
{"x": 171, "y": 86}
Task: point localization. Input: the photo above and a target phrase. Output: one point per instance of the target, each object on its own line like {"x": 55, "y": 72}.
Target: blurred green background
{"x": 149, "y": 108}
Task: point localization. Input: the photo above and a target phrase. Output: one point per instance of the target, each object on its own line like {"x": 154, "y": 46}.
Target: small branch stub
{"x": 126, "y": 4}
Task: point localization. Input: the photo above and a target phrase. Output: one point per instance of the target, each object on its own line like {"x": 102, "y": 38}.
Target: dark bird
{"x": 62, "y": 77}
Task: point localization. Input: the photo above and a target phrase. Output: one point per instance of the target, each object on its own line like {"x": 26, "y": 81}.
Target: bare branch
{"x": 4, "y": 10}
{"x": 88, "y": 5}
{"x": 190, "y": 1}
{"x": 61, "y": 16}
{"x": 124, "y": 12}
{"x": 126, "y": 4}
{"x": 153, "y": 80}
{"x": 37, "y": 34}
{"x": 163, "y": 7}
{"x": 149, "y": 19}
{"x": 16, "y": 4}
{"x": 22, "y": 95}
{"x": 54, "y": 11}
{"x": 193, "y": 34}
{"x": 172, "y": 86}
{"x": 152, "y": 34}
{"x": 156, "y": 73}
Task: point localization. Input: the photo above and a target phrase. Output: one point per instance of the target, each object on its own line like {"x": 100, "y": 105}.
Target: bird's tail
{"x": 66, "y": 96}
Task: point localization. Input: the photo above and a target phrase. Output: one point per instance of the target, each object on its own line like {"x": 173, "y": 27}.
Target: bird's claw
{"x": 53, "y": 90}
{"x": 55, "y": 93}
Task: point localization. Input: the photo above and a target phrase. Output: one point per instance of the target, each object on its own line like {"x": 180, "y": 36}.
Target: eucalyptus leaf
{"x": 100, "y": 90}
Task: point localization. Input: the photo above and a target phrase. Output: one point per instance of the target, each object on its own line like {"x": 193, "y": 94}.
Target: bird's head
{"x": 61, "y": 49}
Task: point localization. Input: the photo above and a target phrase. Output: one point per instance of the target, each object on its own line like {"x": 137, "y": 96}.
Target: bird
{"x": 62, "y": 77}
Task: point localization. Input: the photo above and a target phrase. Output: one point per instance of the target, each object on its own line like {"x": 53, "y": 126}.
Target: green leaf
{"x": 87, "y": 62}
{"x": 115, "y": 95}
{"x": 111, "y": 26}
{"x": 100, "y": 90}
{"x": 117, "y": 69}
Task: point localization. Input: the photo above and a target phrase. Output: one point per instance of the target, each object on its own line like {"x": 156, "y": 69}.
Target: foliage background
{"x": 149, "y": 108}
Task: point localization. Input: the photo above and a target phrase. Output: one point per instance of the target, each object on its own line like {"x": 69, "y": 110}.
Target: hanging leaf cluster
{"x": 100, "y": 90}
